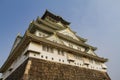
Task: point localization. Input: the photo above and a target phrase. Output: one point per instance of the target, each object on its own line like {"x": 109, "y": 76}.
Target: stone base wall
{"x": 46, "y": 70}
{"x": 18, "y": 73}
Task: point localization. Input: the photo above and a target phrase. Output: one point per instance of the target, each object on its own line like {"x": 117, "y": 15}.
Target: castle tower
{"x": 50, "y": 50}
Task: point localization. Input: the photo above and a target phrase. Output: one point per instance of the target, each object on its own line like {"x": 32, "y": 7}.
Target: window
{"x": 60, "y": 52}
{"x": 46, "y": 57}
{"x": 70, "y": 45}
{"x": 43, "y": 35}
{"x": 34, "y": 54}
{"x": 104, "y": 79}
{"x": 51, "y": 50}
{"x": 40, "y": 34}
{"x": 87, "y": 65}
{"x": 77, "y": 57}
{"x": 75, "y": 63}
{"x": 48, "y": 49}
{"x": 52, "y": 58}
{"x": 80, "y": 58}
{"x": 96, "y": 67}
{"x": 59, "y": 59}
{"x": 91, "y": 60}
{"x": 96, "y": 62}
{"x": 10, "y": 69}
{"x": 91, "y": 67}
{"x": 79, "y": 48}
{"x": 44, "y": 48}
{"x": 69, "y": 62}
{"x": 41, "y": 56}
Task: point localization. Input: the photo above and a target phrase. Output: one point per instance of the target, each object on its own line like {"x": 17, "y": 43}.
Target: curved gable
{"x": 54, "y": 38}
{"x": 69, "y": 33}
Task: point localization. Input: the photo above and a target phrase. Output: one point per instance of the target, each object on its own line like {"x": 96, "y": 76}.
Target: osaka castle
{"x": 51, "y": 50}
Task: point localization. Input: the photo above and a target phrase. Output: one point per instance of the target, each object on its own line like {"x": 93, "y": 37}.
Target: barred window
{"x": 91, "y": 60}
{"x": 51, "y": 50}
{"x": 70, "y": 45}
{"x": 48, "y": 49}
{"x": 60, "y": 52}
{"x": 79, "y": 48}
{"x": 44, "y": 48}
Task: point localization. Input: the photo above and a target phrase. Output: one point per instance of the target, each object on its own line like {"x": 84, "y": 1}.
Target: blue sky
{"x": 96, "y": 20}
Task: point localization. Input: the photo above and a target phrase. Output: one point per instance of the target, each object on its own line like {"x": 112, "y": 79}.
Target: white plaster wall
{"x": 49, "y": 56}
{"x": 34, "y": 47}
